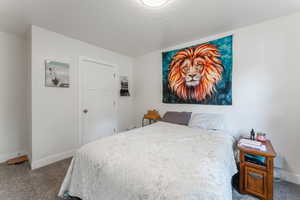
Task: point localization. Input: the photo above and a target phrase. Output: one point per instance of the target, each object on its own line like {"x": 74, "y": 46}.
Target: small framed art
{"x": 57, "y": 74}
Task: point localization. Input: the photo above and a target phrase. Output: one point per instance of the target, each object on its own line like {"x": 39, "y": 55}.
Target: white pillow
{"x": 207, "y": 121}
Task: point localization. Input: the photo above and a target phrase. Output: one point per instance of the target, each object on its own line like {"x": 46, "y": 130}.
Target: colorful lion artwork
{"x": 200, "y": 74}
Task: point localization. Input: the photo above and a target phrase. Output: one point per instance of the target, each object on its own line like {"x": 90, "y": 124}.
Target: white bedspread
{"x": 158, "y": 162}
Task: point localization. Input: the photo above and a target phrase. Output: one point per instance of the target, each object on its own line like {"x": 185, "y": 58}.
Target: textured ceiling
{"x": 130, "y": 28}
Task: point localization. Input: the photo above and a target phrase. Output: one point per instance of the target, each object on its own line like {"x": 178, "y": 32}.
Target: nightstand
{"x": 152, "y": 116}
{"x": 257, "y": 178}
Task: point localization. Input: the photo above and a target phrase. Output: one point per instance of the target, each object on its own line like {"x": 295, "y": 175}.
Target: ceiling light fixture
{"x": 155, "y": 3}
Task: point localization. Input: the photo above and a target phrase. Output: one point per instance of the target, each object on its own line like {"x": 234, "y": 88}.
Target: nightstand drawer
{"x": 256, "y": 181}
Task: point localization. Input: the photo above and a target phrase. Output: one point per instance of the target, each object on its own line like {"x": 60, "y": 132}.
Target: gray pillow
{"x": 181, "y": 118}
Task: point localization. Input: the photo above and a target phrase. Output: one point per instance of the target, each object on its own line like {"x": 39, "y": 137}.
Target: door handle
{"x": 85, "y": 111}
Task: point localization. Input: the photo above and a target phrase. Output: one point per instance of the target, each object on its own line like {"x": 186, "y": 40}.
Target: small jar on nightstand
{"x": 256, "y": 170}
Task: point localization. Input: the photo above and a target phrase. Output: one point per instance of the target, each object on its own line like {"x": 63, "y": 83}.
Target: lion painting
{"x": 195, "y": 72}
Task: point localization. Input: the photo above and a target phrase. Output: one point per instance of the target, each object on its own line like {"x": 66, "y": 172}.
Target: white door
{"x": 98, "y": 100}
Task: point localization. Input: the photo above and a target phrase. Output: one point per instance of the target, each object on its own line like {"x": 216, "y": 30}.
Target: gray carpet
{"x": 17, "y": 182}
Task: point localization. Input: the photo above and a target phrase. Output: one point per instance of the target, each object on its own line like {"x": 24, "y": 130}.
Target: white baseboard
{"x": 51, "y": 159}
{"x": 290, "y": 177}
{"x": 5, "y": 157}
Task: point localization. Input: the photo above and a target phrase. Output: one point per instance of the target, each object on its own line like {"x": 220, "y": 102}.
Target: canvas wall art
{"x": 56, "y": 74}
{"x": 200, "y": 74}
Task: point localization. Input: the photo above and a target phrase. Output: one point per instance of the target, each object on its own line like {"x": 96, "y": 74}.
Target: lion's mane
{"x": 211, "y": 73}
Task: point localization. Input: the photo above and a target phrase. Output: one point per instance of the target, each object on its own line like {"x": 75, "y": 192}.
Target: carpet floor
{"x": 18, "y": 182}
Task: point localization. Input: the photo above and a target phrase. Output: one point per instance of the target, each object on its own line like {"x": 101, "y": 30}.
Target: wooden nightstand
{"x": 257, "y": 179}
{"x": 152, "y": 116}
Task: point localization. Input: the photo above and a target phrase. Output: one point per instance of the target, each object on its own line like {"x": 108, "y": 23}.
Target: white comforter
{"x": 158, "y": 162}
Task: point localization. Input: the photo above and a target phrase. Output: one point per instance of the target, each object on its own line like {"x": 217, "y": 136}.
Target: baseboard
{"x": 290, "y": 177}
{"x": 51, "y": 159}
{"x": 5, "y": 157}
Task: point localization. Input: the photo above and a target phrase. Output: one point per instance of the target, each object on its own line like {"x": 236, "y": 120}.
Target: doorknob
{"x": 85, "y": 111}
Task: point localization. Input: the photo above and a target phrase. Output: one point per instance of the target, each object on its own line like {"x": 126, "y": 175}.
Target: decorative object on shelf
{"x": 252, "y": 134}
{"x": 152, "y": 116}
{"x": 261, "y": 137}
{"x": 124, "y": 92}
{"x": 200, "y": 74}
{"x": 257, "y": 170}
{"x": 57, "y": 74}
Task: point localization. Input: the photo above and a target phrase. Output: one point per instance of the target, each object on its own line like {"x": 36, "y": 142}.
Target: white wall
{"x": 266, "y": 87}
{"x": 13, "y": 78}
{"x": 55, "y": 110}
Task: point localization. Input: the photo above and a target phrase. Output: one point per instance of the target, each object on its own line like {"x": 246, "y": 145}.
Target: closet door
{"x": 98, "y": 100}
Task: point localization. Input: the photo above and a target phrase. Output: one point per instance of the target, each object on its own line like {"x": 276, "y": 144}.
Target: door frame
{"x": 83, "y": 59}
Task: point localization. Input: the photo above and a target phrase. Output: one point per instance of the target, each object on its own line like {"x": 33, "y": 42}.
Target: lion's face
{"x": 195, "y": 71}
{"x": 191, "y": 71}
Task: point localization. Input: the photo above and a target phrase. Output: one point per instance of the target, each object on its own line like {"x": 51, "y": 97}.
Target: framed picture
{"x": 57, "y": 74}
{"x": 124, "y": 92}
{"x": 199, "y": 74}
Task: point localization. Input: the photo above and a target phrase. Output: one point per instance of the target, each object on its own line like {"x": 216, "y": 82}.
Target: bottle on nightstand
{"x": 252, "y": 134}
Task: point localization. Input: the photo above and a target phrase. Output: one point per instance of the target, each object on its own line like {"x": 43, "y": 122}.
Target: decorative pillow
{"x": 207, "y": 121}
{"x": 181, "y": 118}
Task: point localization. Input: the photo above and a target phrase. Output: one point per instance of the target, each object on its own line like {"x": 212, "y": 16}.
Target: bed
{"x": 162, "y": 161}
